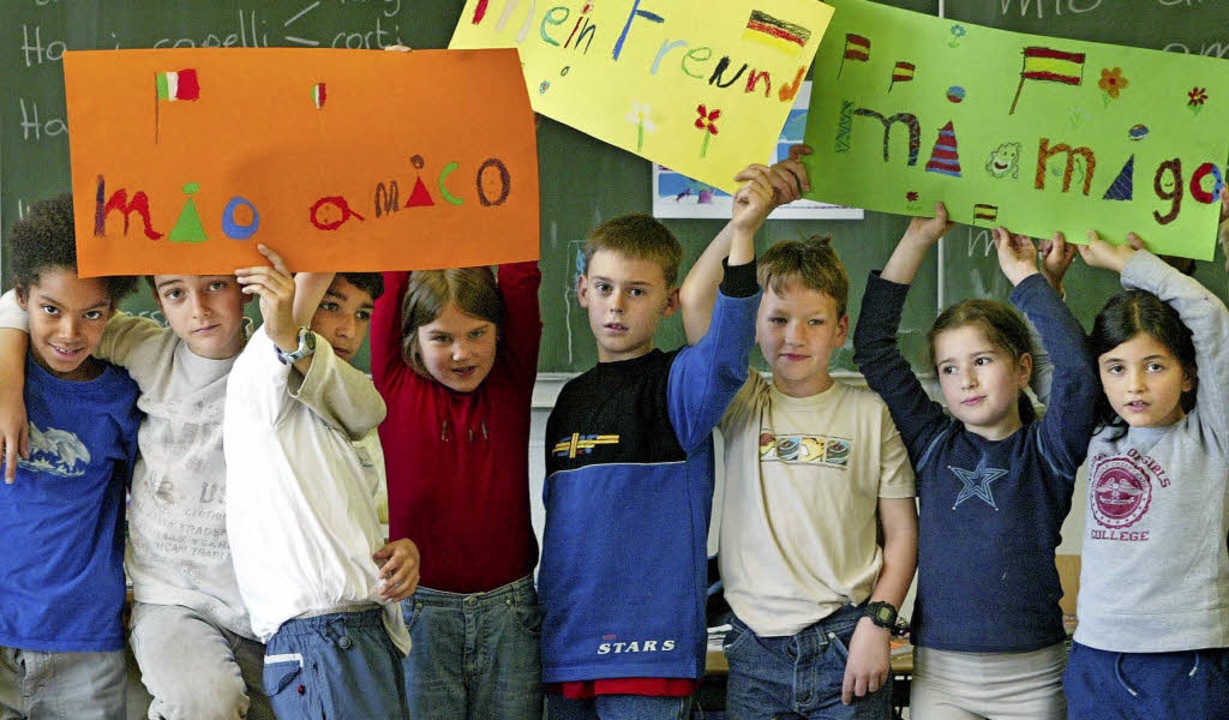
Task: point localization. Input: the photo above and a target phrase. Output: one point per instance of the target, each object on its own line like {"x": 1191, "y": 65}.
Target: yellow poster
{"x": 700, "y": 86}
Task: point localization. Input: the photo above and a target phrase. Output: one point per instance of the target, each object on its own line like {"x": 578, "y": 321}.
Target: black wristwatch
{"x": 882, "y": 614}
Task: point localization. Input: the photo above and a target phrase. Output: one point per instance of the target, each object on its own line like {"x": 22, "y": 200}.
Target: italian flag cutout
{"x": 180, "y": 85}
{"x": 318, "y": 95}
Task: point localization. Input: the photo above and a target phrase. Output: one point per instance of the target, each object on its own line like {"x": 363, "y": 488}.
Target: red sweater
{"x": 458, "y": 463}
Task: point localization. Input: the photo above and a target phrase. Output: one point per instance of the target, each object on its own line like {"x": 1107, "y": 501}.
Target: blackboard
{"x": 1183, "y": 26}
{"x": 33, "y": 136}
{"x": 584, "y": 182}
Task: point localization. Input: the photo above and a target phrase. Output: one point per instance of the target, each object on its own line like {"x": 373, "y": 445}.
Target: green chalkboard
{"x": 33, "y": 135}
{"x": 583, "y": 181}
{"x": 1183, "y": 26}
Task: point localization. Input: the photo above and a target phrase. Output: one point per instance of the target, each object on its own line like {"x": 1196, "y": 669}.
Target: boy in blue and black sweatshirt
{"x": 629, "y": 464}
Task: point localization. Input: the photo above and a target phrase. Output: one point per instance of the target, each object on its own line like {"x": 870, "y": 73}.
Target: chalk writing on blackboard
{"x": 1043, "y": 8}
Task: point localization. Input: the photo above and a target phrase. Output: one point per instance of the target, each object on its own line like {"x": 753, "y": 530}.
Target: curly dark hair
{"x": 45, "y": 240}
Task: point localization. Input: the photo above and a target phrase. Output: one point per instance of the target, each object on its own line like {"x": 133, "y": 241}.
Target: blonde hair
{"x": 812, "y": 262}
{"x": 640, "y": 237}
{"x": 472, "y": 290}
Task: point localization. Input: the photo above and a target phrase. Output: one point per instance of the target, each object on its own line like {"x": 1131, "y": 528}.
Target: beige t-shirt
{"x": 799, "y": 532}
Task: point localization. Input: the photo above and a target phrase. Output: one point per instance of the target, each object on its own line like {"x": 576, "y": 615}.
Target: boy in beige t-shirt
{"x": 814, "y": 469}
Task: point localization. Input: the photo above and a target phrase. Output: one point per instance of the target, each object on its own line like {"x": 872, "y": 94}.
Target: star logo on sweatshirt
{"x": 977, "y": 483}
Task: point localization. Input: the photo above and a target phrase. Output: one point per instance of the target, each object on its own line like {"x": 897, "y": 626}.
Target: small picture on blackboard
{"x": 678, "y": 196}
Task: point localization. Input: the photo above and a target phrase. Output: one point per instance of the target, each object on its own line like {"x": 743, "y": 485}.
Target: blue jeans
{"x": 1102, "y": 685}
{"x": 618, "y": 707}
{"x": 797, "y": 676}
{"x": 340, "y": 665}
{"x": 475, "y": 657}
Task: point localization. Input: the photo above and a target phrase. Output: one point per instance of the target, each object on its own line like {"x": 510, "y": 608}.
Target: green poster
{"x": 1033, "y": 133}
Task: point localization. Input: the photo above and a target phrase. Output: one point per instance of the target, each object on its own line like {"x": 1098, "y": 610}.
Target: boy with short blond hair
{"x": 62, "y": 505}
{"x": 814, "y": 469}
{"x": 629, "y": 465}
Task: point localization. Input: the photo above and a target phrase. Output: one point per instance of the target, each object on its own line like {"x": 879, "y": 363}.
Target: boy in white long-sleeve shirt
{"x": 321, "y": 585}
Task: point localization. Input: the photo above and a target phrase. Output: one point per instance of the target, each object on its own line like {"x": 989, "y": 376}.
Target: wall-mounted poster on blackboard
{"x": 677, "y": 196}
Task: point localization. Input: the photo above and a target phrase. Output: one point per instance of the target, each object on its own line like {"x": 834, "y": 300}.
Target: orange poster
{"x": 341, "y": 160}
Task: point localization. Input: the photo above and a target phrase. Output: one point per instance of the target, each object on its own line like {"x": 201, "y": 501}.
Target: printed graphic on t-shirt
{"x": 580, "y": 444}
{"x": 805, "y": 449}
{"x": 57, "y": 452}
{"x": 976, "y": 483}
{"x": 1120, "y": 488}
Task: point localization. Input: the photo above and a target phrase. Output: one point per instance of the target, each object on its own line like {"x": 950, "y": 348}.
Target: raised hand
{"x": 928, "y": 230}
{"x": 1056, "y": 257}
{"x": 1017, "y": 255}
{"x": 275, "y": 286}
{"x": 1101, "y": 254}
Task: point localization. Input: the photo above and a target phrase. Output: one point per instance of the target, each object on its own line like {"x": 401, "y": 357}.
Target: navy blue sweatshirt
{"x": 629, "y": 489}
{"x": 990, "y": 512}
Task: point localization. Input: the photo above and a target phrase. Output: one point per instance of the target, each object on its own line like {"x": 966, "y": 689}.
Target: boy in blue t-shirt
{"x": 62, "y": 504}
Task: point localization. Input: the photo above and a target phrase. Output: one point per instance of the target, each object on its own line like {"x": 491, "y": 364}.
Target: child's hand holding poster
{"x": 1037, "y": 134}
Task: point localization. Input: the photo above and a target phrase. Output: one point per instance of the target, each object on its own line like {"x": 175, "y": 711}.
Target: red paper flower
{"x": 707, "y": 119}
{"x": 911, "y": 196}
{"x": 1197, "y": 96}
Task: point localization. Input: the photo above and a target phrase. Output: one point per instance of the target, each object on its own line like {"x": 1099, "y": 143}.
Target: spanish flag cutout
{"x": 857, "y": 47}
{"x": 173, "y": 86}
{"x": 943, "y": 158}
{"x": 985, "y": 214}
{"x": 903, "y": 72}
{"x": 1048, "y": 65}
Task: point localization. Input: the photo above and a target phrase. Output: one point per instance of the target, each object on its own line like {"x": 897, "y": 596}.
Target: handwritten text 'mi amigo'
{"x": 566, "y": 28}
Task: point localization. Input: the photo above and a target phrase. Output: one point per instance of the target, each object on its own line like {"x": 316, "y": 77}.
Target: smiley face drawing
{"x": 1004, "y": 160}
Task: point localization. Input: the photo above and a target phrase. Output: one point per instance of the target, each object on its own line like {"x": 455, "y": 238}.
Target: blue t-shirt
{"x": 62, "y": 568}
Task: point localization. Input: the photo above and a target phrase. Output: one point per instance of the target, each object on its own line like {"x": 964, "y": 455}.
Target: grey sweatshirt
{"x": 1155, "y": 574}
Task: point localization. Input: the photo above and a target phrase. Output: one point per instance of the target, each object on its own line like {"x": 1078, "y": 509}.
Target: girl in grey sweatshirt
{"x": 1153, "y": 635}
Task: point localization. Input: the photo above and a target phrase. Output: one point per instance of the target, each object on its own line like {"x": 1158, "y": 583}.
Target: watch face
{"x": 309, "y": 342}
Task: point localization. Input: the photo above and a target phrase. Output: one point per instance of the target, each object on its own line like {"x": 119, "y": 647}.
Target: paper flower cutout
{"x": 1196, "y": 97}
{"x": 958, "y": 32}
{"x": 639, "y": 116}
{"x": 1112, "y": 82}
{"x": 706, "y": 122}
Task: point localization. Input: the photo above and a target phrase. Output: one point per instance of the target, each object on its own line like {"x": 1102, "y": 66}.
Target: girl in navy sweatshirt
{"x": 994, "y": 483}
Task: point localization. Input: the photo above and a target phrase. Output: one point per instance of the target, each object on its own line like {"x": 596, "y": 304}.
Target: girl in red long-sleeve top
{"x": 455, "y": 355}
